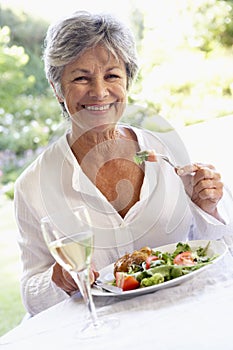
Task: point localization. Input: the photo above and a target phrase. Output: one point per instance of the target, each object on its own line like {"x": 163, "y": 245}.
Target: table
{"x": 196, "y": 314}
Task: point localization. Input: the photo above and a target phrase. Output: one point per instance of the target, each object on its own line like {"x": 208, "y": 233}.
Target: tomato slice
{"x": 185, "y": 259}
{"x": 126, "y": 282}
{"x": 149, "y": 259}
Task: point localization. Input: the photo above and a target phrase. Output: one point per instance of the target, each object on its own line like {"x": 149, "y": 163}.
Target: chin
{"x": 102, "y": 127}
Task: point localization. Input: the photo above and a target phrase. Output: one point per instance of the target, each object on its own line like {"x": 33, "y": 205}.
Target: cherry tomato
{"x": 149, "y": 259}
{"x": 126, "y": 282}
{"x": 185, "y": 259}
{"x": 151, "y": 156}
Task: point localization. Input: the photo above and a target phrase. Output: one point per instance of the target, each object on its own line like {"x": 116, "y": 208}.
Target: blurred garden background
{"x": 186, "y": 58}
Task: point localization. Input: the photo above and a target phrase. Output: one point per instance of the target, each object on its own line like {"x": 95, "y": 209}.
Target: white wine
{"x": 73, "y": 252}
{"x": 70, "y": 239}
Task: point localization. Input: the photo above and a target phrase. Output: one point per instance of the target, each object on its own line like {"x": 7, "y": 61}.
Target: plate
{"x": 215, "y": 247}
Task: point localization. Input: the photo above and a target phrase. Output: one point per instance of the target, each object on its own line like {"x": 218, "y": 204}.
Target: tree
{"x": 26, "y": 121}
{"x": 28, "y": 32}
{"x": 186, "y": 59}
{"x": 13, "y": 81}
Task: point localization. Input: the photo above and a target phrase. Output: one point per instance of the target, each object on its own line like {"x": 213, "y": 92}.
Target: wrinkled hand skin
{"x": 63, "y": 279}
{"x": 203, "y": 185}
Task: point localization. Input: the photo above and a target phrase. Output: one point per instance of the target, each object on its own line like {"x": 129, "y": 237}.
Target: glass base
{"x": 104, "y": 326}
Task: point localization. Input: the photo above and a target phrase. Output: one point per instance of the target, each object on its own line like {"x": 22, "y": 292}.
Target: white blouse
{"x": 165, "y": 214}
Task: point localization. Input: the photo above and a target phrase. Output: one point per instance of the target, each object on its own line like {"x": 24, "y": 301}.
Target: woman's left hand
{"x": 203, "y": 184}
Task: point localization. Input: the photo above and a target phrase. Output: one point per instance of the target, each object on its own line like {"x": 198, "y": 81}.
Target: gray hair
{"x": 67, "y": 39}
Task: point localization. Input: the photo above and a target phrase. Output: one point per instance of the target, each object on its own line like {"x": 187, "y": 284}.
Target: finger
{"x": 187, "y": 169}
{"x": 204, "y": 165}
{"x": 68, "y": 281}
{"x": 212, "y": 194}
{"x": 206, "y": 174}
{"x": 93, "y": 276}
{"x": 96, "y": 273}
{"x": 190, "y": 169}
{"x": 200, "y": 185}
{"x": 62, "y": 283}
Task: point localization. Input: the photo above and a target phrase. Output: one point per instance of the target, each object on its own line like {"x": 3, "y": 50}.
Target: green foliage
{"x": 31, "y": 123}
{"x": 10, "y": 193}
{"x": 186, "y": 60}
{"x": 11, "y": 307}
{"x": 27, "y": 121}
{"x": 12, "y": 310}
{"x": 13, "y": 81}
{"x": 29, "y": 33}
{"x": 212, "y": 25}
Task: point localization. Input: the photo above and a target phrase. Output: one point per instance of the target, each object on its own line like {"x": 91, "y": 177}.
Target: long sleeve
{"x": 207, "y": 227}
{"x": 37, "y": 289}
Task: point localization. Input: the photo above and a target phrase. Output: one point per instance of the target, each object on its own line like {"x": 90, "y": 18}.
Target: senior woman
{"x": 90, "y": 62}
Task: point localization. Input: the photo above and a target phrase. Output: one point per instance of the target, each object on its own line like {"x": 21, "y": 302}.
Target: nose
{"x": 98, "y": 89}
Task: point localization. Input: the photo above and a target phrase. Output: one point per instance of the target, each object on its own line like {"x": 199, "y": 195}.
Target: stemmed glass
{"x": 69, "y": 238}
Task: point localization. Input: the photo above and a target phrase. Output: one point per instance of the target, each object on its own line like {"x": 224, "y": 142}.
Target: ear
{"x": 59, "y": 98}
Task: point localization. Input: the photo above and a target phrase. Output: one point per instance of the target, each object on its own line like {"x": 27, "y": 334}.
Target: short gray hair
{"x": 67, "y": 39}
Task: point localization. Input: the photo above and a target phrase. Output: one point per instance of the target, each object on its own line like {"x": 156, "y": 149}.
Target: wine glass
{"x": 69, "y": 238}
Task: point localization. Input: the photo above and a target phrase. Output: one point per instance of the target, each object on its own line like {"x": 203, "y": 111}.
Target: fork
{"x": 167, "y": 160}
{"x": 142, "y": 156}
{"x": 108, "y": 287}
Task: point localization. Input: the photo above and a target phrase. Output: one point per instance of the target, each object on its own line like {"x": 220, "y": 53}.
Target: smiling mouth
{"x": 98, "y": 107}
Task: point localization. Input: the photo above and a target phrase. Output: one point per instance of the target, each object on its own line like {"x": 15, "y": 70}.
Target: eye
{"x": 112, "y": 76}
{"x": 80, "y": 79}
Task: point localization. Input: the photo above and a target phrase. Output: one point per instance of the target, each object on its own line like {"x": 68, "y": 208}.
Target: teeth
{"x": 97, "y": 108}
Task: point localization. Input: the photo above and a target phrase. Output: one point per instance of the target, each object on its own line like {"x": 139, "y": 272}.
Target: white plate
{"x": 215, "y": 247}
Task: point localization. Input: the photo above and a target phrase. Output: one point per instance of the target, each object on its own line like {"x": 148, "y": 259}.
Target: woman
{"x": 90, "y": 62}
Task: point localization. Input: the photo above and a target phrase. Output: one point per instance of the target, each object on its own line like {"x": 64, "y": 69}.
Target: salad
{"x": 148, "y": 267}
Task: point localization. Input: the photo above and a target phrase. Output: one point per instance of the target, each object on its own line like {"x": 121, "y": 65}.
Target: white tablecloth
{"x": 197, "y": 314}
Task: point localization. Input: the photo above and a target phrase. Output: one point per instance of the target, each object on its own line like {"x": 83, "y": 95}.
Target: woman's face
{"x": 95, "y": 89}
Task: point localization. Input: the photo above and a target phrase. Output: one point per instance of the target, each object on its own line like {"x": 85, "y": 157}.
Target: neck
{"x": 92, "y": 140}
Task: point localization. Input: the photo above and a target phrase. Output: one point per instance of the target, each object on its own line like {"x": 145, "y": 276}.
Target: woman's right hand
{"x": 63, "y": 279}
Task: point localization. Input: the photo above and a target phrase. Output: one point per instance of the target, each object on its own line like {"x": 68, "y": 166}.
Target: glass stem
{"x": 83, "y": 281}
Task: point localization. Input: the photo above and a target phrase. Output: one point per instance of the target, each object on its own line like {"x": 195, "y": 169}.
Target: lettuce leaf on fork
{"x": 141, "y": 157}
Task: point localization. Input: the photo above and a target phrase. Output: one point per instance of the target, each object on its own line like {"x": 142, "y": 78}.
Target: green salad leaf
{"x": 140, "y": 157}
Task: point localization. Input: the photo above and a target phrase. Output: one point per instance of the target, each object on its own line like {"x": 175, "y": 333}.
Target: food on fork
{"x": 147, "y": 155}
